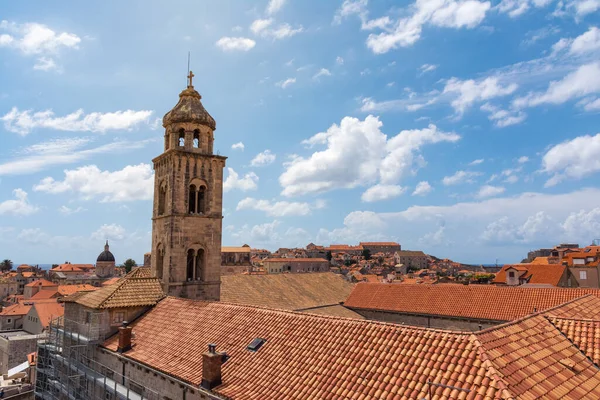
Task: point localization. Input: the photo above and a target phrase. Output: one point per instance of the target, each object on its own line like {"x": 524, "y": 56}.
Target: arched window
{"x": 181, "y": 138}
{"x": 196, "y": 139}
{"x": 192, "y": 200}
{"x": 160, "y": 256}
{"x": 162, "y": 196}
{"x": 189, "y": 275}
{"x": 199, "y": 276}
{"x": 202, "y": 200}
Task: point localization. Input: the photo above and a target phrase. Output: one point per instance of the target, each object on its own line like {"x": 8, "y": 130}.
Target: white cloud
{"x": 382, "y": 192}
{"x": 274, "y": 6}
{"x": 238, "y": 146}
{"x": 523, "y": 159}
{"x": 582, "y": 82}
{"x": 45, "y": 64}
{"x": 516, "y": 8}
{"x": 503, "y": 118}
{"x": 68, "y": 210}
{"x": 19, "y": 206}
{"x": 227, "y": 43}
{"x": 285, "y": 83}
{"x": 471, "y": 91}
{"x": 265, "y": 234}
{"x": 233, "y": 181}
{"x": 442, "y": 13}
{"x": 582, "y": 225}
{"x": 477, "y": 162}
{"x": 276, "y": 208}
{"x": 109, "y": 232}
{"x": 259, "y": 25}
{"x": 489, "y": 191}
{"x": 575, "y": 158}
{"x": 460, "y": 177}
{"x": 23, "y": 122}
{"x": 134, "y": 182}
{"x": 427, "y": 68}
{"x": 580, "y": 8}
{"x": 263, "y": 158}
{"x": 587, "y": 42}
{"x": 350, "y": 7}
{"x": 590, "y": 104}
{"x": 322, "y": 72}
{"x": 358, "y": 153}
{"x": 423, "y": 188}
{"x": 37, "y": 157}
{"x": 339, "y": 60}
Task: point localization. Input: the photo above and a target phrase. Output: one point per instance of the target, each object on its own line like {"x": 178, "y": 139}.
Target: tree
{"x": 366, "y": 253}
{"x": 129, "y": 264}
{"x": 329, "y": 256}
{"x": 6, "y": 265}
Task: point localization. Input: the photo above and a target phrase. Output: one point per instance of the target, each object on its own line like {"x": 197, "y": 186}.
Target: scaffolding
{"x": 67, "y": 368}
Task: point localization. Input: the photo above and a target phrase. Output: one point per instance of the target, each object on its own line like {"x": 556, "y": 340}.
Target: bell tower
{"x": 188, "y": 202}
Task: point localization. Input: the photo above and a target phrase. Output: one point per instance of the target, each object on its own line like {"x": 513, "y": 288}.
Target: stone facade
{"x": 295, "y": 265}
{"x": 188, "y": 196}
{"x": 14, "y": 347}
{"x": 411, "y": 259}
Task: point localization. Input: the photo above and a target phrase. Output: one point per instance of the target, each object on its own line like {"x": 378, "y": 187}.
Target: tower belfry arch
{"x": 188, "y": 202}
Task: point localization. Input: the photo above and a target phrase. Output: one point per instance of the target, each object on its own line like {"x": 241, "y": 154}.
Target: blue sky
{"x": 467, "y": 129}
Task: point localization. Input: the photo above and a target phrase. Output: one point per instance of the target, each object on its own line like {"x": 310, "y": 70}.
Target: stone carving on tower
{"x": 188, "y": 202}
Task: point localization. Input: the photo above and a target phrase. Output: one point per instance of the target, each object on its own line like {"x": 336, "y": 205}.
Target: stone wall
{"x": 14, "y": 350}
{"x": 428, "y": 321}
{"x": 294, "y": 266}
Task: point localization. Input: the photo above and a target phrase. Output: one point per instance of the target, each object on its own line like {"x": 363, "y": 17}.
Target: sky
{"x": 464, "y": 128}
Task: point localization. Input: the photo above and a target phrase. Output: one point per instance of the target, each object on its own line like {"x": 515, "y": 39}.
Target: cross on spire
{"x": 190, "y": 76}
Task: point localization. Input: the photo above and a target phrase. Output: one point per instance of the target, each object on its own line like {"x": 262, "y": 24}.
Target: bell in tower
{"x": 188, "y": 202}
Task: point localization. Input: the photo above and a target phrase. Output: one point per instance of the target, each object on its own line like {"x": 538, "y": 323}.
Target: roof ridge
{"x": 571, "y": 318}
{"x": 579, "y": 349}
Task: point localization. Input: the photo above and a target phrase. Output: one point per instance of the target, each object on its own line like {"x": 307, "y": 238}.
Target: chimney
{"x": 211, "y": 367}
{"x": 124, "y": 338}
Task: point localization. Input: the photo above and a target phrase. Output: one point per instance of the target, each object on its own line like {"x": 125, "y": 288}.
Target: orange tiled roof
{"x": 379, "y": 244}
{"x": 41, "y": 282}
{"x": 285, "y": 291}
{"x": 315, "y": 357}
{"x": 584, "y": 333}
{"x": 586, "y": 307}
{"x": 16, "y": 309}
{"x": 540, "y": 260}
{"x": 295, "y": 260}
{"x": 307, "y": 356}
{"x": 140, "y": 272}
{"x": 486, "y": 302}
{"x": 232, "y": 249}
{"x": 540, "y": 273}
{"x": 66, "y": 290}
{"x": 44, "y": 294}
{"x": 49, "y": 311}
{"x": 24, "y": 266}
{"x": 27, "y": 274}
{"x": 111, "y": 281}
{"x": 133, "y": 290}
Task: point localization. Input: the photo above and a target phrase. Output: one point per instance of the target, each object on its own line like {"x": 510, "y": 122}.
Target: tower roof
{"x": 189, "y": 108}
{"x": 106, "y": 255}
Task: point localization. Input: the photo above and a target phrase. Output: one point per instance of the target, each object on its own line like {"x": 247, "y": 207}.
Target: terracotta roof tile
{"x": 496, "y": 303}
{"x": 540, "y": 273}
{"x": 308, "y": 356}
{"x": 66, "y": 290}
{"x": 295, "y": 260}
{"x": 132, "y": 291}
{"x": 41, "y": 282}
{"x": 16, "y": 309}
{"x": 379, "y": 244}
{"x": 584, "y": 333}
{"x": 286, "y": 291}
{"x": 231, "y": 249}
{"x": 48, "y": 312}
{"x": 586, "y": 307}
{"x": 45, "y": 294}
{"x": 111, "y": 281}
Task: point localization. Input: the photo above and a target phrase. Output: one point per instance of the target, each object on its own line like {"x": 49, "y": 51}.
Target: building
{"x": 39, "y": 316}
{"x": 105, "y": 263}
{"x": 235, "y": 260}
{"x": 15, "y": 345}
{"x": 411, "y": 259}
{"x": 534, "y": 274}
{"x": 11, "y": 317}
{"x": 315, "y": 251}
{"x": 457, "y": 307}
{"x": 317, "y": 293}
{"x": 31, "y": 289}
{"x": 383, "y": 247}
{"x": 344, "y": 248}
{"x": 188, "y": 193}
{"x": 295, "y": 265}
{"x": 532, "y": 255}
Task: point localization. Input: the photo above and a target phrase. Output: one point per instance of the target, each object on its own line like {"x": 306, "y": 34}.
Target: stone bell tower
{"x": 188, "y": 202}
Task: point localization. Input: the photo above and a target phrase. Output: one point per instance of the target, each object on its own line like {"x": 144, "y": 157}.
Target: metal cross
{"x": 190, "y": 76}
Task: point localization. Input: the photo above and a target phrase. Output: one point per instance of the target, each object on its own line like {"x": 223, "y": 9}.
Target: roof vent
{"x": 256, "y": 344}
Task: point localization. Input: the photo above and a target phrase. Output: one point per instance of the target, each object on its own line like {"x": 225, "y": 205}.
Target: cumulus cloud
{"x": 238, "y": 146}
{"x": 382, "y": 192}
{"x": 34, "y": 39}
{"x": 516, "y": 8}
{"x": 134, "y": 182}
{"x": 23, "y": 122}
{"x": 18, "y": 206}
{"x": 263, "y": 158}
{"x": 523, "y": 159}
{"x": 68, "y": 210}
{"x": 503, "y": 118}
{"x": 470, "y": 91}
{"x": 489, "y": 191}
{"x": 265, "y": 28}
{"x": 579, "y": 83}
{"x": 109, "y": 232}
{"x": 275, "y": 208}
{"x": 286, "y": 83}
{"x": 247, "y": 182}
{"x": 575, "y": 159}
{"x": 460, "y": 177}
{"x": 423, "y": 188}
{"x": 358, "y": 153}
{"x": 227, "y": 43}
{"x": 274, "y": 6}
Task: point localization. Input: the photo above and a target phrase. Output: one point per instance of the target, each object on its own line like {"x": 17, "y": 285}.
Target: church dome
{"x": 189, "y": 109}
{"x": 106, "y": 255}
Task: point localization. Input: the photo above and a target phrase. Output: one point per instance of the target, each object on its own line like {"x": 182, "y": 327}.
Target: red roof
{"x": 537, "y": 273}
{"x": 485, "y": 302}
{"x": 16, "y": 309}
{"x": 295, "y": 260}
{"x": 72, "y": 268}
{"x": 44, "y": 294}
{"x": 66, "y": 290}
{"x": 41, "y": 282}
{"x": 49, "y": 311}
{"x": 379, "y": 244}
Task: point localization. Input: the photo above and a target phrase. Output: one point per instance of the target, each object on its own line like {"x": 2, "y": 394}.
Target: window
{"x": 582, "y": 274}
{"x": 181, "y": 141}
{"x": 192, "y": 200}
{"x": 201, "y": 199}
{"x": 196, "y": 143}
{"x": 88, "y": 317}
{"x": 162, "y": 196}
{"x": 9, "y": 320}
{"x": 118, "y": 317}
{"x": 511, "y": 274}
